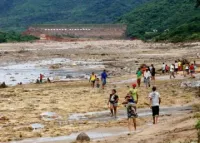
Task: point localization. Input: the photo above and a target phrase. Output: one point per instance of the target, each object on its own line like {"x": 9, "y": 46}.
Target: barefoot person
{"x": 92, "y": 79}
{"x": 155, "y": 101}
{"x": 131, "y": 113}
{"x": 103, "y": 78}
{"x": 113, "y": 103}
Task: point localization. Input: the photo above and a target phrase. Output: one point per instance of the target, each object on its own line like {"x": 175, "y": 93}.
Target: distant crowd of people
{"x": 186, "y": 67}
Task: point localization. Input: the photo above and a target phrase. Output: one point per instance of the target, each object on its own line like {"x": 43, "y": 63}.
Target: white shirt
{"x": 147, "y": 74}
{"x": 176, "y": 65}
{"x": 155, "y": 98}
{"x": 163, "y": 67}
{"x": 172, "y": 68}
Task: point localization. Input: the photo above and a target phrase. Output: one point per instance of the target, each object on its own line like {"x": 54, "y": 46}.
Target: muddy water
{"x": 28, "y": 72}
{"x": 103, "y": 116}
{"x": 104, "y": 133}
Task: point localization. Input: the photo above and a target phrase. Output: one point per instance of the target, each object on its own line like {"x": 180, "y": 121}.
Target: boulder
{"x": 82, "y": 137}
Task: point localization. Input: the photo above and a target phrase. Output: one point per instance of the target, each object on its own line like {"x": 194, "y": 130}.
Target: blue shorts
{"x": 103, "y": 81}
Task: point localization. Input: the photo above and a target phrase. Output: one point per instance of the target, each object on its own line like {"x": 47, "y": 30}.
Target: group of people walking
{"x": 148, "y": 73}
{"x": 95, "y": 81}
{"x": 131, "y": 101}
{"x": 178, "y": 66}
{"x": 132, "y": 98}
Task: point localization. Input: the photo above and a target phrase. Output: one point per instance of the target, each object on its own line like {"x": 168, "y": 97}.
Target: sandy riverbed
{"x": 22, "y": 105}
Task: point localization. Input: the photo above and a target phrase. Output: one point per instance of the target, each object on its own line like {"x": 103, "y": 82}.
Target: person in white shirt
{"x": 176, "y": 67}
{"x": 163, "y": 68}
{"x": 147, "y": 77}
{"x": 172, "y": 71}
{"x": 155, "y": 101}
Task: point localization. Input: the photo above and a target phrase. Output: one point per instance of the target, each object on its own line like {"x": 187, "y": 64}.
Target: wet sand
{"x": 21, "y": 106}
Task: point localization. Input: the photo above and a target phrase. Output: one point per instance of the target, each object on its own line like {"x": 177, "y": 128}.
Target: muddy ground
{"x": 21, "y": 106}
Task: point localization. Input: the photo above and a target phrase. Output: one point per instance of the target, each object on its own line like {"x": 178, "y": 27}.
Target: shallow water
{"x": 28, "y": 72}
{"x": 103, "y": 133}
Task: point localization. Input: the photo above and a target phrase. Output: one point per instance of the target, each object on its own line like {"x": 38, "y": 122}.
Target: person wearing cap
{"x": 133, "y": 92}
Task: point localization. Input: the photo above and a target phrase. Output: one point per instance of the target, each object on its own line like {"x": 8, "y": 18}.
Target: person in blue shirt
{"x": 103, "y": 78}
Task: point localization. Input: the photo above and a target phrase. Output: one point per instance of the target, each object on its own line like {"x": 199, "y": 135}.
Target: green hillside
{"x": 19, "y": 14}
{"x": 15, "y": 37}
{"x": 172, "y": 20}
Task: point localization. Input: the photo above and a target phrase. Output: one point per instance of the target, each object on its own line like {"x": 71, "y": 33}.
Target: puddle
{"x": 55, "y": 69}
{"x": 37, "y": 126}
{"x": 49, "y": 116}
{"x": 96, "y": 134}
{"x": 104, "y": 116}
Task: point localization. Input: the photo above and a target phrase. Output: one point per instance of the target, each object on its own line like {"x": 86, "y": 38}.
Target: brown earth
{"x": 22, "y": 105}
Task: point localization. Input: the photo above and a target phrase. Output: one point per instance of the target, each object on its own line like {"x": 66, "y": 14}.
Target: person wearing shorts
{"x": 92, "y": 79}
{"x": 103, "y": 78}
{"x": 155, "y": 101}
{"x": 113, "y": 103}
{"x": 131, "y": 112}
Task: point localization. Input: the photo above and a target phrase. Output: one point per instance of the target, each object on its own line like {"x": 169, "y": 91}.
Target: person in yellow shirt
{"x": 134, "y": 93}
{"x": 92, "y": 79}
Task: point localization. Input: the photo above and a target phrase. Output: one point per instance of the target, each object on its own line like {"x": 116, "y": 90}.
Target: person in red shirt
{"x": 167, "y": 68}
{"x": 41, "y": 78}
{"x": 192, "y": 70}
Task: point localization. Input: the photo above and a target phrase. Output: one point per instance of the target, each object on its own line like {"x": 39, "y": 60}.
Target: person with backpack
{"x": 113, "y": 103}
{"x": 92, "y": 79}
{"x": 131, "y": 112}
{"x": 155, "y": 101}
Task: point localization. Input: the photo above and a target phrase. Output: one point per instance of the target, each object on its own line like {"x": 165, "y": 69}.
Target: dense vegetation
{"x": 19, "y": 14}
{"x": 15, "y": 37}
{"x": 172, "y": 20}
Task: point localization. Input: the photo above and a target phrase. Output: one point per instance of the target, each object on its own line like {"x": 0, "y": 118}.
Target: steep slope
{"x": 157, "y": 16}
{"x": 18, "y": 14}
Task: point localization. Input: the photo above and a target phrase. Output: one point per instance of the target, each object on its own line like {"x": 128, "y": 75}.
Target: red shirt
{"x": 41, "y": 76}
{"x": 191, "y": 67}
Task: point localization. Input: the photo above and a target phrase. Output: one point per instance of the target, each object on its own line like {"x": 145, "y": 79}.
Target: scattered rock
{"x": 82, "y": 137}
{"x": 4, "y": 118}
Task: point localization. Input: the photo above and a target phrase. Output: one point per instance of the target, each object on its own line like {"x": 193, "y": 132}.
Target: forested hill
{"x": 174, "y": 20}
{"x": 18, "y": 14}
